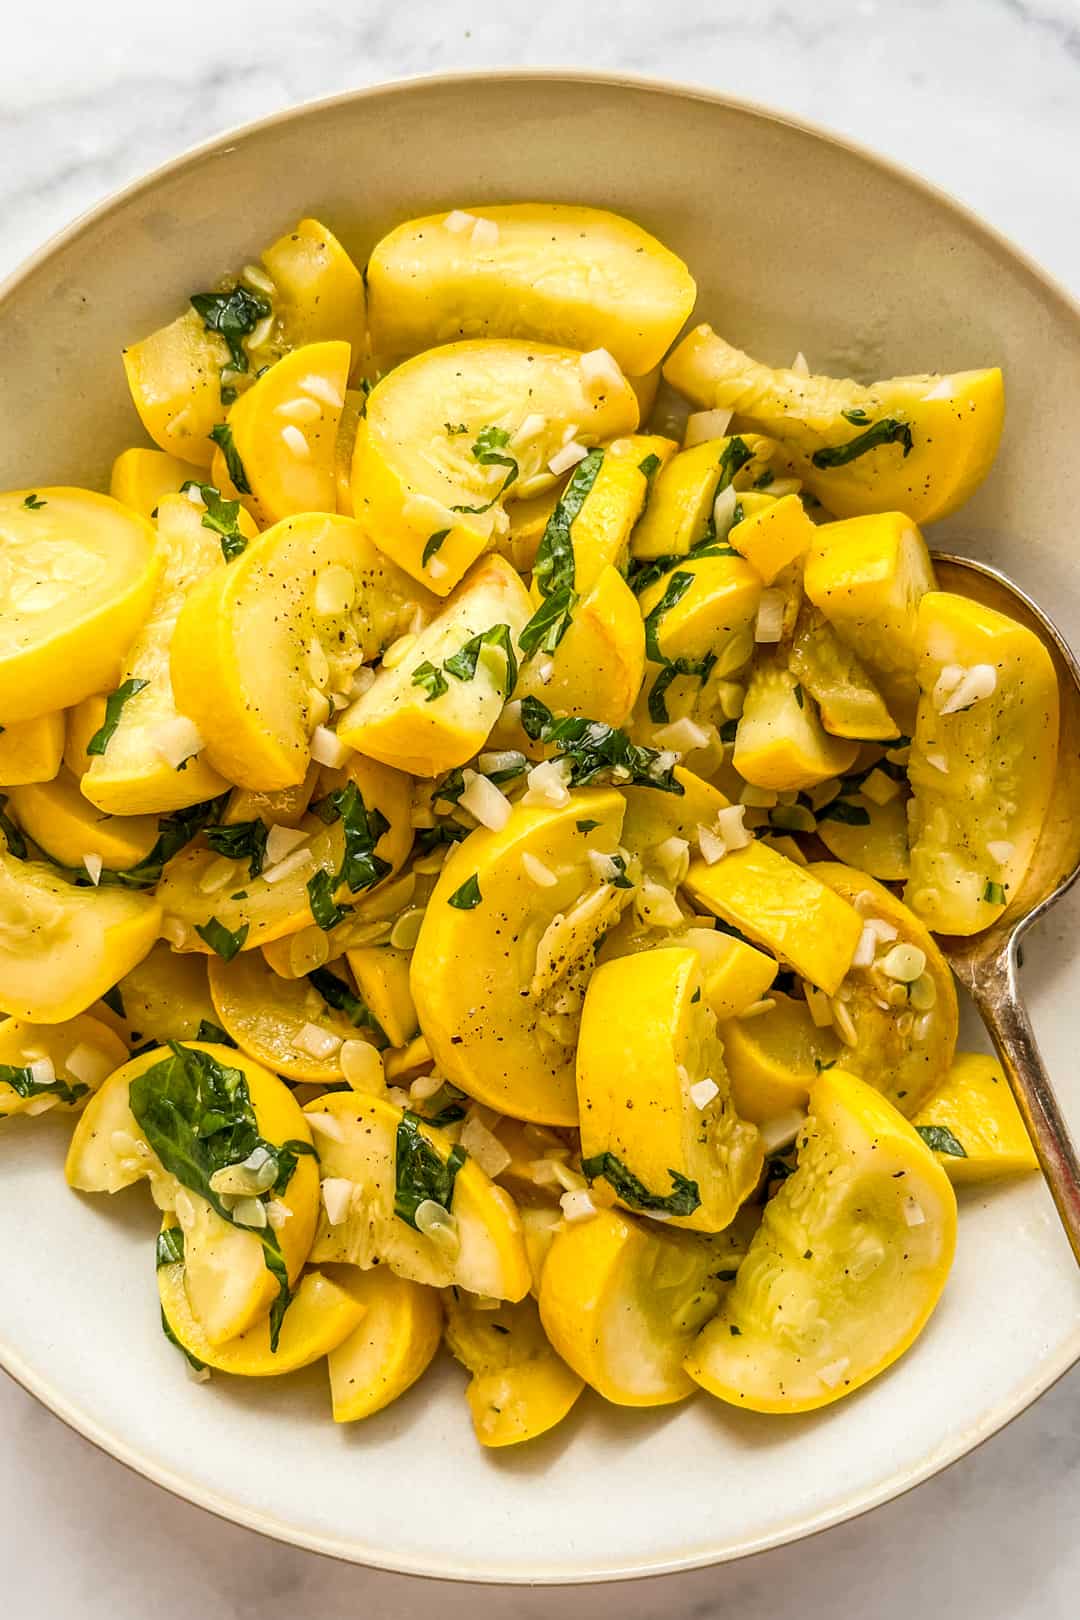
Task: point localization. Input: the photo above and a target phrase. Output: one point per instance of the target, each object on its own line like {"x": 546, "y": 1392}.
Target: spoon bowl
{"x": 987, "y": 963}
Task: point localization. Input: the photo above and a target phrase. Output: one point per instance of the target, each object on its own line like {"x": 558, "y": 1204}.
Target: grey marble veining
{"x": 981, "y": 96}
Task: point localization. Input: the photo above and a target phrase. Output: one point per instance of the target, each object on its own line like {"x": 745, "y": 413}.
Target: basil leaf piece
{"x": 889, "y": 430}
{"x": 857, "y": 416}
{"x": 360, "y": 867}
{"x": 222, "y": 517}
{"x": 325, "y": 912}
{"x": 114, "y": 1001}
{"x": 649, "y": 466}
{"x": 34, "y": 503}
{"x": 490, "y": 451}
{"x": 994, "y": 893}
{"x": 337, "y": 994}
{"x": 222, "y": 437}
{"x": 23, "y": 1084}
{"x": 676, "y": 588}
{"x": 554, "y": 571}
{"x": 432, "y": 679}
{"x": 174, "y": 833}
{"x": 114, "y": 708}
{"x": 233, "y": 315}
{"x": 222, "y": 939}
{"x": 431, "y": 546}
{"x": 420, "y": 1174}
{"x": 468, "y": 897}
{"x": 939, "y": 1139}
{"x": 683, "y": 1198}
{"x": 196, "y": 1115}
{"x": 169, "y": 1249}
{"x": 242, "y": 841}
{"x": 597, "y": 751}
{"x": 463, "y": 663}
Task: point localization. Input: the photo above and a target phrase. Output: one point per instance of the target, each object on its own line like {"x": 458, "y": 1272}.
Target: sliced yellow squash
{"x": 549, "y": 272}
{"x": 148, "y": 759}
{"x": 390, "y": 1348}
{"x": 525, "y": 908}
{"x": 780, "y": 742}
{"x": 982, "y": 761}
{"x": 972, "y": 1125}
{"x": 226, "y": 1276}
{"x": 46, "y": 1066}
{"x": 31, "y": 750}
{"x": 321, "y": 1316}
{"x": 166, "y": 997}
{"x": 845, "y": 1268}
{"x": 434, "y": 708}
{"x": 657, "y": 1121}
{"x": 63, "y": 822}
{"x": 375, "y": 1160}
{"x": 449, "y": 435}
{"x": 519, "y": 1388}
{"x": 318, "y": 291}
{"x": 773, "y": 536}
{"x": 848, "y": 701}
{"x": 284, "y": 433}
{"x": 919, "y": 445}
{"x": 62, "y": 947}
{"x": 382, "y": 979}
{"x": 867, "y": 577}
{"x": 139, "y": 479}
{"x": 77, "y": 576}
{"x": 782, "y": 907}
{"x": 622, "y": 1300}
{"x": 260, "y": 644}
{"x": 682, "y": 508}
{"x": 288, "y": 1024}
{"x": 597, "y": 668}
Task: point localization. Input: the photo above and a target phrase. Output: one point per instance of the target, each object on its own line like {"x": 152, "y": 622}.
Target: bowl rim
{"x": 897, "y": 1484}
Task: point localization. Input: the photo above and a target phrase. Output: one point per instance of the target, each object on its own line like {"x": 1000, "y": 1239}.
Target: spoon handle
{"x": 996, "y": 993}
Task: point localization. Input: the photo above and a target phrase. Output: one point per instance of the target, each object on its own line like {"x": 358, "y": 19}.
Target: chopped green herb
{"x": 596, "y": 750}
{"x": 169, "y": 1250}
{"x": 994, "y": 893}
{"x": 463, "y": 663}
{"x": 23, "y": 1084}
{"x": 337, "y": 994}
{"x": 420, "y": 1174}
{"x": 683, "y": 1198}
{"x": 233, "y": 315}
{"x": 242, "y": 841}
{"x": 34, "y": 503}
{"x": 444, "y": 832}
{"x": 819, "y": 1067}
{"x": 799, "y": 695}
{"x": 454, "y": 431}
{"x": 222, "y": 437}
{"x": 857, "y": 416}
{"x": 587, "y": 826}
{"x": 448, "y": 1104}
{"x": 649, "y": 466}
{"x": 736, "y": 1332}
{"x": 889, "y": 430}
{"x": 431, "y": 546}
{"x": 114, "y": 708}
{"x": 696, "y": 996}
{"x": 361, "y": 868}
{"x": 174, "y": 832}
{"x": 764, "y": 479}
{"x": 939, "y": 1139}
{"x": 222, "y": 939}
{"x": 324, "y": 909}
{"x": 431, "y": 678}
{"x": 676, "y": 588}
{"x": 489, "y": 450}
{"x": 468, "y": 897}
{"x": 554, "y": 571}
{"x": 221, "y": 517}
{"x": 728, "y": 731}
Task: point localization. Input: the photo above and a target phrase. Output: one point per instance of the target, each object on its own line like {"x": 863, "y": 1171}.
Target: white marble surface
{"x": 982, "y": 96}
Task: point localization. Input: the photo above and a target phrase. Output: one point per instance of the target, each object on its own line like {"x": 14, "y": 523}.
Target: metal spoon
{"x": 986, "y": 963}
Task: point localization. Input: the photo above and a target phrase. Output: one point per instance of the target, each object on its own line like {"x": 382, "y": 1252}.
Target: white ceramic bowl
{"x": 797, "y": 241}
